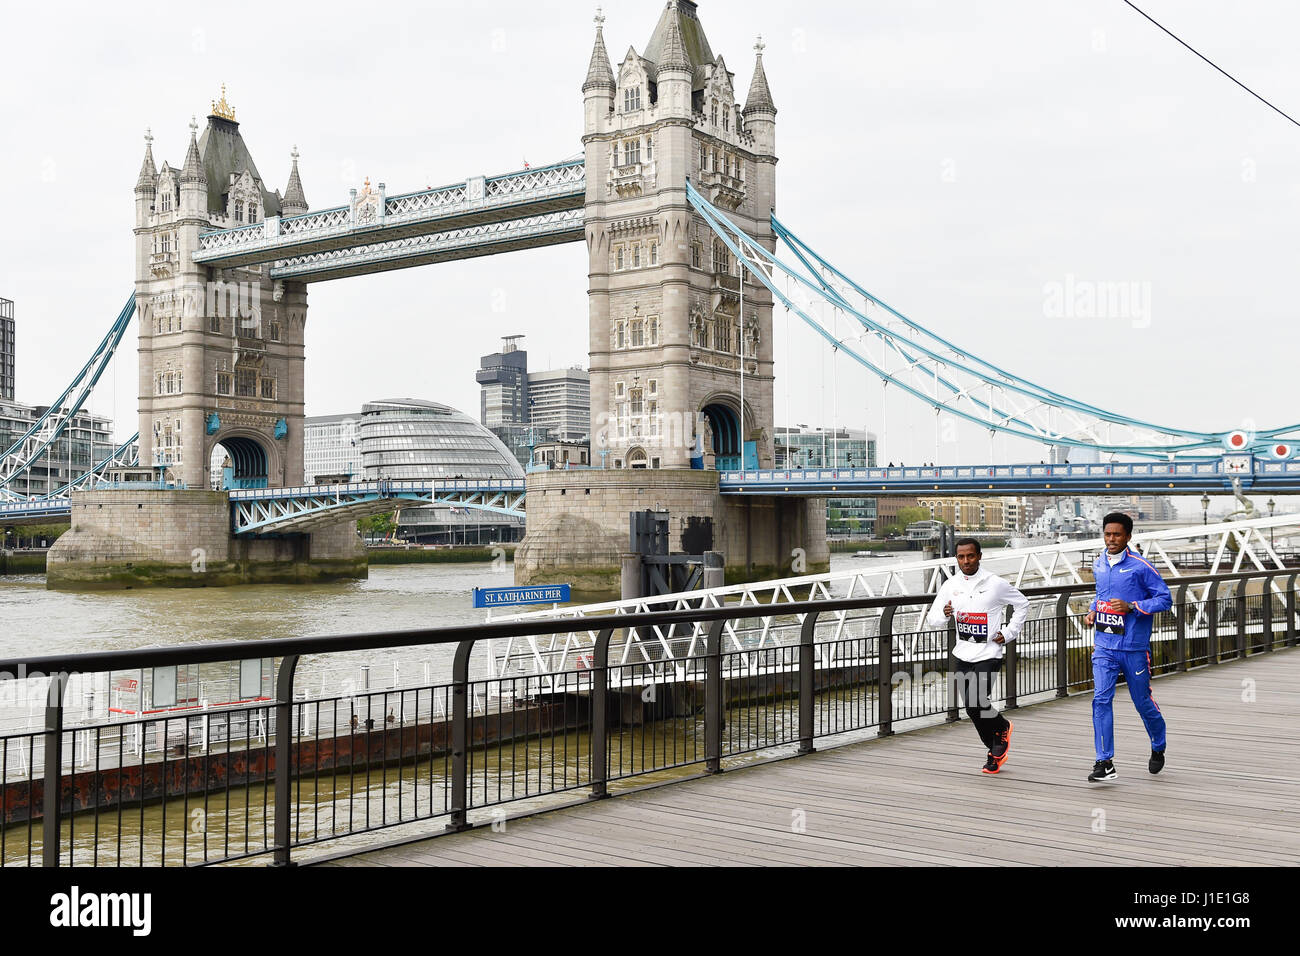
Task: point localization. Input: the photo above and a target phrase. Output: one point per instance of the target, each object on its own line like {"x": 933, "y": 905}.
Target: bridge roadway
{"x": 279, "y": 510}
{"x": 1227, "y": 796}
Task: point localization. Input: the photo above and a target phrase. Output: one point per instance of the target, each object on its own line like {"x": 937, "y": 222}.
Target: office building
{"x": 6, "y": 350}
{"x": 332, "y": 448}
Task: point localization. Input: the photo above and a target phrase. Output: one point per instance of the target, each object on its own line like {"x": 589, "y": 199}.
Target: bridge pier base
{"x": 578, "y": 527}
{"x": 123, "y": 539}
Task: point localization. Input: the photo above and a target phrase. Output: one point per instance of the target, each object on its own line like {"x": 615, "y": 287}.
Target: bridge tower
{"x": 221, "y": 350}
{"x": 665, "y": 317}
{"x": 671, "y": 402}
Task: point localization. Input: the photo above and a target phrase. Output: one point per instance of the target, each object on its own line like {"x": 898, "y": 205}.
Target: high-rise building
{"x": 6, "y": 350}
{"x": 559, "y": 404}
{"x": 86, "y": 442}
{"x": 332, "y": 447}
{"x": 503, "y": 396}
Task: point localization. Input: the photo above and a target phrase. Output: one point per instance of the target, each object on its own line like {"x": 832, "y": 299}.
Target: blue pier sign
{"x": 537, "y": 594}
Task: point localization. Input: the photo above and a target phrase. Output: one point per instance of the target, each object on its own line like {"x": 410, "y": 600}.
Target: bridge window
{"x": 618, "y": 258}
{"x": 636, "y": 256}
{"x": 620, "y": 340}
{"x": 726, "y": 119}
{"x": 245, "y": 383}
{"x": 654, "y": 338}
{"x": 704, "y": 157}
{"x": 214, "y": 323}
{"x": 649, "y": 149}
{"x": 252, "y": 211}
{"x": 638, "y": 334}
{"x": 166, "y": 198}
{"x": 654, "y": 253}
{"x": 631, "y": 99}
{"x": 275, "y": 331}
{"x": 223, "y": 383}
{"x": 239, "y": 210}
{"x": 697, "y": 256}
{"x": 714, "y": 112}
{"x": 268, "y": 388}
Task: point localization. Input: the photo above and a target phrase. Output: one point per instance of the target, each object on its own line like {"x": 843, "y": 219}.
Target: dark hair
{"x": 960, "y": 541}
{"x": 1118, "y": 517}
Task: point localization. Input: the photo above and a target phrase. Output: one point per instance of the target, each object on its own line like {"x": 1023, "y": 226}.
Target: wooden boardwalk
{"x": 1228, "y": 796}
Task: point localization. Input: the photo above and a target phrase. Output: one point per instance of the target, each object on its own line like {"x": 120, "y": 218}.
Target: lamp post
{"x": 1271, "y": 503}
{"x": 1205, "y": 520}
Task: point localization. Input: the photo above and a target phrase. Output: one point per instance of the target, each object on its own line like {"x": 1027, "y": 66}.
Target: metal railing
{"x": 185, "y": 787}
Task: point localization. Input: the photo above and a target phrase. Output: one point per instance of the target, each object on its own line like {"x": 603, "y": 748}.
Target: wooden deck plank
{"x": 1226, "y": 797}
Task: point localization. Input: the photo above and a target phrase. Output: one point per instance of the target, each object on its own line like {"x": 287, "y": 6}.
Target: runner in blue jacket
{"x": 1129, "y": 594}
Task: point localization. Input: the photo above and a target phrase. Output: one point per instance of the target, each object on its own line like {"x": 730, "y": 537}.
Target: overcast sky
{"x": 956, "y": 157}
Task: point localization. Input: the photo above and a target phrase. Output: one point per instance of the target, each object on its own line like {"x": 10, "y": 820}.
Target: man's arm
{"x": 936, "y": 617}
{"x": 1019, "y": 609}
{"x": 1158, "y": 597}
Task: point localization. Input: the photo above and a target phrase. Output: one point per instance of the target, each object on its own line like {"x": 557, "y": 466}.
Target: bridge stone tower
{"x": 221, "y": 351}
{"x": 666, "y": 329}
{"x": 670, "y": 400}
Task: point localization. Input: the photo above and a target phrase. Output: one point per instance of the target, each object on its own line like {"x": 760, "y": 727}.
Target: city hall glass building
{"x": 406, "y": 438}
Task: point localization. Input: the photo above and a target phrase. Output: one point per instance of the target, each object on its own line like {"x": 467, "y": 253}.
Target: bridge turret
{"x": 598, "y": 90}
{"x": 676, "y": 74}
{"x": 295, "y": 200}
{"x": 760, "y": 110}
{"x": 194, "y": 181}
{"x": 146, "y": 183}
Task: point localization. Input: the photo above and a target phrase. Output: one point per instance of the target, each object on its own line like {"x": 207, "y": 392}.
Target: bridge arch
{"x": 724, "y": 423}
{"x": 242, "y": 460}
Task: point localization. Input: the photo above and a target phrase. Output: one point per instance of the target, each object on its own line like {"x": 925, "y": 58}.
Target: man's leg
{"x": 1105, "y": 672}
{"x": 988, "y": 722}
{"x": 968, "y": 684}
{"x": 1137, "y": 672}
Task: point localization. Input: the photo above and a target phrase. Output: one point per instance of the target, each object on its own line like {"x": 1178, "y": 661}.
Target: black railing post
{"x": 1212, "y": 623}
{"x": 1012, "y": 677}
{"x": 284, "y": 761}
{"x": 1063, "y": 646}
{"x": 52, "y": 824}
{"x": 1180, "y": 641}
{"x": 600, "y": 716}
{"x": 1266, "y": 623}
{"x": 885, "y": 673}
{"x": 1240, "y": 608}
{"x": 1290, "y": 612}
{"x": 713, "y": 697}
{"x": 807, "y": 682}
{"x": 460, "y": 737}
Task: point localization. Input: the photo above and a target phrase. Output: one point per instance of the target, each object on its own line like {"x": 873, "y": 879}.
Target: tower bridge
{"x": 674, "y": 195}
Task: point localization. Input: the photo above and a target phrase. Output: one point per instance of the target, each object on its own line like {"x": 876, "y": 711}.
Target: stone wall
{"x": 153, "y": 538}
{"x": 578, "y": 526}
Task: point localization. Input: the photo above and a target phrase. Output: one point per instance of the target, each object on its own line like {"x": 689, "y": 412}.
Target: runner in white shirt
{"x": 975, "y": 599}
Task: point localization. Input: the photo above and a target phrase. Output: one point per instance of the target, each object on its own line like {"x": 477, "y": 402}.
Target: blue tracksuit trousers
{"x": 1107, "y": 665}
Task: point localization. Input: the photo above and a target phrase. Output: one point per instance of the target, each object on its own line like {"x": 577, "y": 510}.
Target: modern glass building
{"x": 799, "y": 446}
{"x": 86, "y": 442}
{"x": 332, "y": 447}
{"x": 406, "y": 438}
{"x": 559, "y": 404}
{"x": 6, "y": 350}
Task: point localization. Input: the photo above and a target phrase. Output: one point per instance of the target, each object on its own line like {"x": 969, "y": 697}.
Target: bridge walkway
{"x": 1226, "y": 797}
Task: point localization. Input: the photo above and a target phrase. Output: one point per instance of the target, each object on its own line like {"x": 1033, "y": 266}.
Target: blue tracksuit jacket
{"x": 1134, "y": 580}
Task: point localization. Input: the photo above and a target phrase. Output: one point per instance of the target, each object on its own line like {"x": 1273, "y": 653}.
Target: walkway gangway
{"x": 1233, "y": 546}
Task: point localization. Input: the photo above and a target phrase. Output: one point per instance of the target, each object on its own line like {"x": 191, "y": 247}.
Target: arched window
{"x": 654, "y": 336}
{"x": 714, "y": 112}
{"x": 618, "y": 258}
{"x": 252, "y": 211}
{"x": 239, "y": 210}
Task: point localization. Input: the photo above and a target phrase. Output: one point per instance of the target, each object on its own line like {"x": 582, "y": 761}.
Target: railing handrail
{"x": 136, "y": 658}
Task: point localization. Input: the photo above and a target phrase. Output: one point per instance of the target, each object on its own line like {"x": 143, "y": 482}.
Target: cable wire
{"x": 1212, "y": 63}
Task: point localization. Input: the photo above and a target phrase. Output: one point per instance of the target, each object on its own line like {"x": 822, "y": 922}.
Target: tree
{"x": 907, "y": 516}
{"x": 377, "y": 526}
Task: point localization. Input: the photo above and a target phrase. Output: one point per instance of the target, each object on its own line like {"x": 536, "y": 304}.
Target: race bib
{"x": 972, "y": 626}
{"x": 1109, "y": 622}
